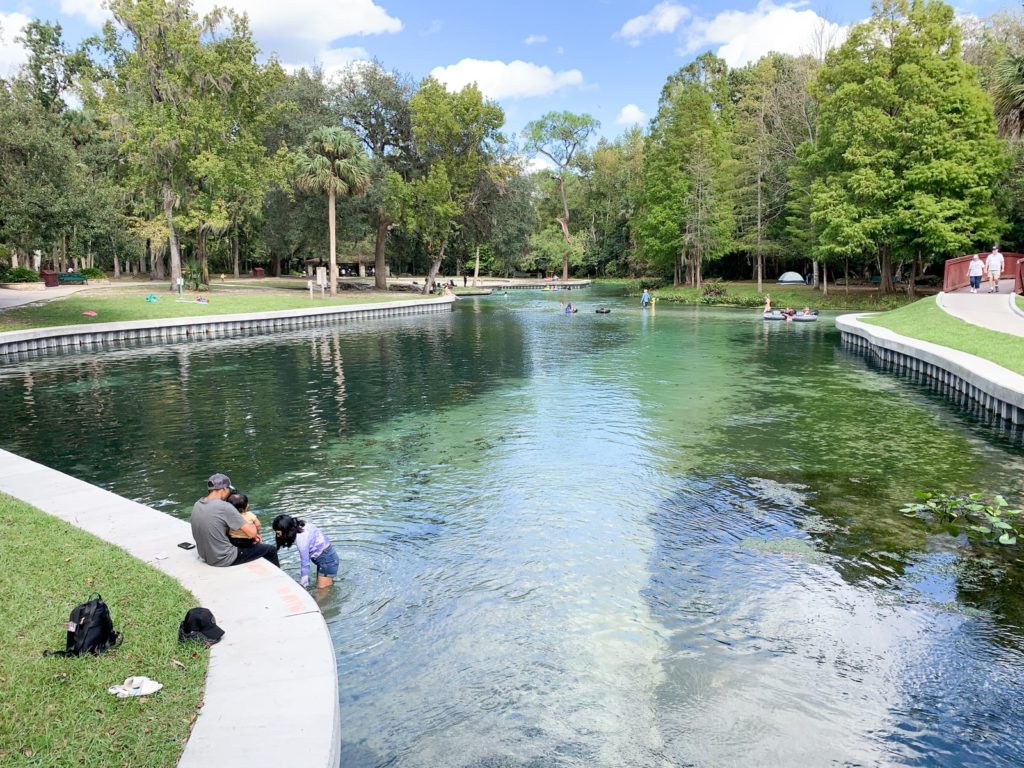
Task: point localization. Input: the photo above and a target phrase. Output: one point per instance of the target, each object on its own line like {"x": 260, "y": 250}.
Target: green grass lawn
{"x": 56, "y": 711}
{"x": 925, "y": 320}
{"x": 745, "y": 294}
{"x": 114, "y": 305}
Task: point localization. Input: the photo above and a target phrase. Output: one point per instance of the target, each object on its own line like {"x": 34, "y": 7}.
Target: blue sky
{"x": 608, "y": 58}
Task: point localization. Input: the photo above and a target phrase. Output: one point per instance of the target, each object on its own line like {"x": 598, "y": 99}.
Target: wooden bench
{"x": 71, "y": 277}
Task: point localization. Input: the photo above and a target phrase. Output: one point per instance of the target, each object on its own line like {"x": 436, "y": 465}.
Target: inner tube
{"x": 774, "y": 315}
{"x": 602, "y": 310}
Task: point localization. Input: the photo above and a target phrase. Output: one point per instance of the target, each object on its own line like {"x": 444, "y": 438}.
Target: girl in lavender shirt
{"x": 313, "y": 545}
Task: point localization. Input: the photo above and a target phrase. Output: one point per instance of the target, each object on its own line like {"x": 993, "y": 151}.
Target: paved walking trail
{"x": 10, "y": 298}
{"x": 988, "y": 310}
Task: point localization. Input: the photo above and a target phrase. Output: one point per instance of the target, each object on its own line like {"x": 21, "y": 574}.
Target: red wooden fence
{"x": 955, "y": 276}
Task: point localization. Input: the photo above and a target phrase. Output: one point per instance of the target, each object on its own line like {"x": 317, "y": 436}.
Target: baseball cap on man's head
{"x": 219, "y": 481}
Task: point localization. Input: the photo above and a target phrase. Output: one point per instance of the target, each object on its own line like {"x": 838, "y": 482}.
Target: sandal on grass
{"x": 135, "y": 686}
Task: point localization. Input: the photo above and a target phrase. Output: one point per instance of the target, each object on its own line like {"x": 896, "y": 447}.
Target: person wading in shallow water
{"x": 213, "y": 517}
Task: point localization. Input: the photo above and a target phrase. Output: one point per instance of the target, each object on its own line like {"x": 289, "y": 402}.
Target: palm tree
{"x": 1008, "y": 96}
{"x": 334, "y": 162}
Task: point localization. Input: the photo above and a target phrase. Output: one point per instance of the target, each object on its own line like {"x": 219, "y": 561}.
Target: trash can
{"x": 50, "y": 279}
{"x": 258, "y": 272}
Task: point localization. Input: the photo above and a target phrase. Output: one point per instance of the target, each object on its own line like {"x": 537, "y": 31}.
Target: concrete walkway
{"x": 271, "y": 693}
{"x": 11, "y": 298}
{"x": 994, "y": 311}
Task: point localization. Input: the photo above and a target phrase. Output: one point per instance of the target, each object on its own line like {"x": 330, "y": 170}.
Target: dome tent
{"x": 790, "y": 278}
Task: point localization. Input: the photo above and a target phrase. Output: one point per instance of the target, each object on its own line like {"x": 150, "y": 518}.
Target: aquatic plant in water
{"x": 993, "y": 520}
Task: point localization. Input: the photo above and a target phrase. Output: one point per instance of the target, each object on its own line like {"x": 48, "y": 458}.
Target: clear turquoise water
{"x": 637, "y": 539}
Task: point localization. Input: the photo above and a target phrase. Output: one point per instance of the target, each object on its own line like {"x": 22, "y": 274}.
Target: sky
{"x": 606, "y": 58}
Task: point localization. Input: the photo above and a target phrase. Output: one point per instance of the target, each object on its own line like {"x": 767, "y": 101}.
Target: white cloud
{"x": 535, "y": 39}
{"x": 333, "y": 61}
{"x": 301, "y": 32}
{"x": 12, "y": 54}
{"x": 538, "y": 163}
{"x": 746, "y": 36}
{"x": 433, "y": 29}
{"x": 631, "y": 114}
{"x": 92, "y": 10}
{"x": 336, "y": 59}
{"x": 507, "y": 80}
{"x": 662, "y": 19}
{"x": 309, "y": 21}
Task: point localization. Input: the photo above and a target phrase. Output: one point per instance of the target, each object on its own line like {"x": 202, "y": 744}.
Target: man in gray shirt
{"x": 213, "y": 517}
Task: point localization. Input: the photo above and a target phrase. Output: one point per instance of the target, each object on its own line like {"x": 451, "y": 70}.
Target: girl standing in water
{"x": 313, "y": 546}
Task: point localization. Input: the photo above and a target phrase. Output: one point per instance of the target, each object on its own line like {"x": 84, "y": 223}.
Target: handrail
{"x": 955, "y": 274}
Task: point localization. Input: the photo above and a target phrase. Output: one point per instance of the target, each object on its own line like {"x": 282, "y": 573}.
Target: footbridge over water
{"x": 955, "y": 275}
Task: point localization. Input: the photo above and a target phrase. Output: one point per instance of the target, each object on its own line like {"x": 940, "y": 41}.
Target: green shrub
{"x": 638, "y": 285}
{"x": 193, "y": 276}
{"x": 713, "y": 288}
{"x": 92, "y": 273}
{"x": 19, "y": 275}
{"x": 652, "y": 283}
{"x": 743, "y": 300}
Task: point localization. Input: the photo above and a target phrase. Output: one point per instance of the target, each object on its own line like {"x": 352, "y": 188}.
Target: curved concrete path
{"x": 271, "y": 693}
{"x": 995, "y": 311}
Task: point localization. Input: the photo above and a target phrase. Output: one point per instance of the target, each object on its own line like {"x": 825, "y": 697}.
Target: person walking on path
{"x": 975, "y": 269}
{"x": 213, "y": 517}
{"x": 994, "y": 265}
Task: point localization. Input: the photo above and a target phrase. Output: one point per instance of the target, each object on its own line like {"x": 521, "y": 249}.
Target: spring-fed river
{"x": 637, "y": 539}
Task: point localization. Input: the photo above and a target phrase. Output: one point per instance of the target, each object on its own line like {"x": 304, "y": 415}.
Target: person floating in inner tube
{"x": 645, "y": 299}
{"x": 569, "y": 309}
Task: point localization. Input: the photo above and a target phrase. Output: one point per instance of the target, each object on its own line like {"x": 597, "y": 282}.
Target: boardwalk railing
{"x": 955, "y": 276}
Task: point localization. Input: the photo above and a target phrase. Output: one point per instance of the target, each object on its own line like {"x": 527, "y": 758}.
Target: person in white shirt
{"x": 975, "y": 269}
{"x": 994, "y": 265}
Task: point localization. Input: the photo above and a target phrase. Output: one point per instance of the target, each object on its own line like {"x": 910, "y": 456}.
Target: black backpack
{"x": 90, "y": 630}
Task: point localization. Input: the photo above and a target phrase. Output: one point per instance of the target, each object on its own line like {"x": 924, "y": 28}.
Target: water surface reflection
{"x": 629, "y": 539}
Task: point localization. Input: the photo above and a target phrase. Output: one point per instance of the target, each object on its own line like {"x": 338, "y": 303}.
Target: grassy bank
{"x": 926, "y": 321}
{"x": 119, "y": 304}
{"x": 745, "y": 294}
{"x": 56, "y": 711}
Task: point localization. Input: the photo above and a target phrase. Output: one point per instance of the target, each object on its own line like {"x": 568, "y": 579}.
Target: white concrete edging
{"x": 965, "y": 377}
{"x": 271, "y": 693}
{"x": 176, "y": 328}
{"x": 1013, "y": 305}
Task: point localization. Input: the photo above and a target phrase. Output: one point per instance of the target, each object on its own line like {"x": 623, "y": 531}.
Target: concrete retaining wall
{"x": 970, "y": 381}
{"x": 14, "y": 343}
{"x": 271, "y": 693}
